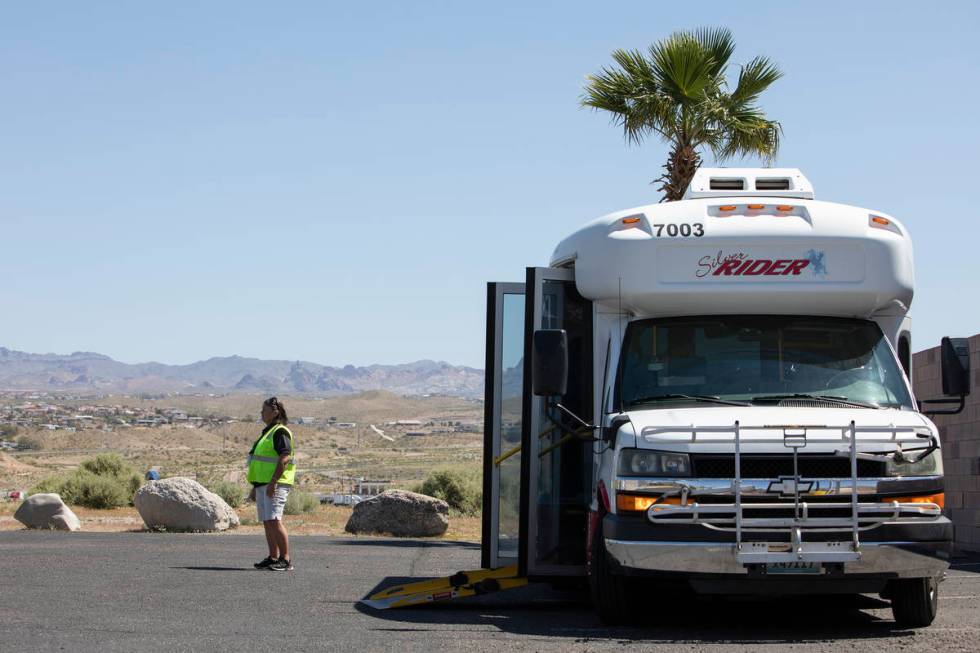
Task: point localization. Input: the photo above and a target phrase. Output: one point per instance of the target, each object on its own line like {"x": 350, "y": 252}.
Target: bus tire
{"x": 914, "y": 601}
{"x": 609, "y": 591}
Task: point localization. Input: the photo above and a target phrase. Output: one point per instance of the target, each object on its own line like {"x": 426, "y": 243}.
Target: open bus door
{"x": 537, "y": 466}
{"x": 502, "y": 424}
{"x": 537, "y": 480}
{"x": 556, "y": 460}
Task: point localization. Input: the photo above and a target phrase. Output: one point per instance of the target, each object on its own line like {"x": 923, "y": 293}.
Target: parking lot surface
{"x": 135, "y": 591}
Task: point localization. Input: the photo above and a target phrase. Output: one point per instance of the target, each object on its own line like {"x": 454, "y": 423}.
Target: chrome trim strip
{"x": 651, "y": 432}
{"x": 760, "y": 486}
{"x": 724, "y": 517}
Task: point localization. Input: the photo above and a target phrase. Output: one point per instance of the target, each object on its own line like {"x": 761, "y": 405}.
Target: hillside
{"x": 87, "y": 371}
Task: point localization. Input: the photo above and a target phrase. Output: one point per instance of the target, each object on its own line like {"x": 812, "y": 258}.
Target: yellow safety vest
{"x": 263, "y": 459}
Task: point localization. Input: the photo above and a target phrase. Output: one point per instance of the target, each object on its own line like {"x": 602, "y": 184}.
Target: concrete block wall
{"x": 960, "y": 435}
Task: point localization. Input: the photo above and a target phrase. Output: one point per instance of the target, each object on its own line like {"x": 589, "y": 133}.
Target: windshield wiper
{"x": 708, "y": 399}
{"x": 803, "y": 395}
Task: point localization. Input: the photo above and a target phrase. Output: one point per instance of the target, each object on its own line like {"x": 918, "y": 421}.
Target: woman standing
{"x": 272, "y": 472}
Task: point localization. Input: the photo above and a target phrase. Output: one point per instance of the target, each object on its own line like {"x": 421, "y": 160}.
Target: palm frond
{"x": 682, "y": 67}
{"x": 754, "y": 78}
{"x": 631, "y": 94}
{"x": 717, "y": 41}
{"x": 752, "y": 137}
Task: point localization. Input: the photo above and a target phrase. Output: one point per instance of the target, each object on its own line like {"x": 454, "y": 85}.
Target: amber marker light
{"x": 879, "y": 222}
{"x": 639, "y": 503}
{"x": 727, "y": 207}
{"x": 784, "y": 207}
{"x": 938, "y": 499}
{"x": 630, "y": 220}
{"x": 756, "y": 207}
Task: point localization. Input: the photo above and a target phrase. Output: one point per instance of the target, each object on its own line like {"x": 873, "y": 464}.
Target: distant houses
{"x": 41, "y": 412}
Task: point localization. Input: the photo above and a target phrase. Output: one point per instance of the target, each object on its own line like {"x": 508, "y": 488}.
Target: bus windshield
{"x": 759, "y": 359}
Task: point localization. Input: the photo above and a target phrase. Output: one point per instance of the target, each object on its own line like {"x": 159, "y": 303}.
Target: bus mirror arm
{"x": 582, "y": 422}
{"x": 960, "y": 401}
{"x": 585, "y": 433}
{"x": 954, "y": 363}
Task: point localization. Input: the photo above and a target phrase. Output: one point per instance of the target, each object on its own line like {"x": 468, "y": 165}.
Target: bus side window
{"x": 905, "y": 352}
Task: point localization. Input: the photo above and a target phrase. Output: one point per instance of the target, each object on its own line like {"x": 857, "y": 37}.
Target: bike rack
{"x": 806, "y": 517}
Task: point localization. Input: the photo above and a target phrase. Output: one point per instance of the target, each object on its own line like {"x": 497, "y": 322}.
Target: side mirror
{"x": 549, "y": 362}
{"x": 955, "y": 365}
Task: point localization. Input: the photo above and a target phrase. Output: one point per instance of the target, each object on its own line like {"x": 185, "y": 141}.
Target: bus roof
{"x": 744, "y": 253}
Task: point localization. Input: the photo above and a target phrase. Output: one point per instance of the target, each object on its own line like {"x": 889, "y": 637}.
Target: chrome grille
{"x": 775, "y": 466}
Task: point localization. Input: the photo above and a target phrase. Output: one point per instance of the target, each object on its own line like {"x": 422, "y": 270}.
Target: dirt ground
{"x": 327, "y": 456}
{"x": 326, "y": 520}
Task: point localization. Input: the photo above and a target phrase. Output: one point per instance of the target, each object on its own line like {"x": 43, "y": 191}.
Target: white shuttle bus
{"x": 713, "y": 395}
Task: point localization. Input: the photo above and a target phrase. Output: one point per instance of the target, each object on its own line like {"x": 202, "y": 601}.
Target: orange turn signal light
{"x": 727, "y": 207}
{"x": 877, "y": 219}
{"x": 938, "y": 499}
{"x": 639, "y": 503}
{"x": 632, "y": 220}
{"x": 756, "y": 207}
{"x": 784, "y": 207}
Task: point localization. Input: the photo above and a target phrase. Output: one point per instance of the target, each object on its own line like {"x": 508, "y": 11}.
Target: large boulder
{"x": 400, "y": 513}
{"x": 47, "y": 511}
{"x": 183, "y": 504}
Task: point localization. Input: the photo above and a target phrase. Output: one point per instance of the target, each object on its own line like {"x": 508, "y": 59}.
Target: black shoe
{"x": 265, "y": 564}
{"x": 281, "y": 565}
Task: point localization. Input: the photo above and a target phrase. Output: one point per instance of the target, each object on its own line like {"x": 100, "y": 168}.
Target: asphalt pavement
{"x": 185, "y": 592}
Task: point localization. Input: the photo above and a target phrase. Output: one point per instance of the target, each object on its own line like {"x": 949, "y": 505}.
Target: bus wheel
{"x": 609, "y": 590}
{"x": 914, "y": 601}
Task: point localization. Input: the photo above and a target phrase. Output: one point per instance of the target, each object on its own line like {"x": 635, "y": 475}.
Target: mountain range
{"x": 87, "y": 371}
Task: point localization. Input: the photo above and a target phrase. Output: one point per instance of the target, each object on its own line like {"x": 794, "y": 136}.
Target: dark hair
{"x": 276, "y": 405}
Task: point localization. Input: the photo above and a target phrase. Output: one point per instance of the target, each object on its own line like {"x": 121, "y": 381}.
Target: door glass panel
{"x": 512, "y": 381}
{"x": 563, "y": 461}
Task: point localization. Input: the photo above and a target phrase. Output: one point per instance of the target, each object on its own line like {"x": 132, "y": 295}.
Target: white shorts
{"x": 271, "y": 508}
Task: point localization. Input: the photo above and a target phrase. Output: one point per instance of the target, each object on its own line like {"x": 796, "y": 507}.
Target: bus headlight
{"x": 931, "y": 465}
{"x": 643, "y": 462}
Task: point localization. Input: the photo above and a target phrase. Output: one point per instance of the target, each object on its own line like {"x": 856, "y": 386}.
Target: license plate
{"x": 793, "y": 568}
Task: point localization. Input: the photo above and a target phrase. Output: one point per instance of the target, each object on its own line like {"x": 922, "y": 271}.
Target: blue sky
{"x": 337, "y": 181}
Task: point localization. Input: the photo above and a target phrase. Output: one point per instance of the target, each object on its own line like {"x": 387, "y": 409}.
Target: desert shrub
{"x": 83, "y": 488}
{"x": 106, "y": 481}
{"x": 48, "y": 485}
{"x": 31, "y": 442}
{"x": 133, "y": 483}
{"x": 299, "y": 502}
{"x": 8, "y": 430}
{"x": 232, "y": 493}
{"x": 113, "y": 467}
{"x": 108, "y": 464}
{"x": 462, "y": 491}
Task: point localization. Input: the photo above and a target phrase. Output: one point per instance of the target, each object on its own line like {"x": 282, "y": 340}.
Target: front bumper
{"x": 878, "y": 559}
{"x": 898, "y": 549}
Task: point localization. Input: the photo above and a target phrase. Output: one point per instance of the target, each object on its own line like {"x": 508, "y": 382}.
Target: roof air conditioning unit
{"x": 749, "y": 182}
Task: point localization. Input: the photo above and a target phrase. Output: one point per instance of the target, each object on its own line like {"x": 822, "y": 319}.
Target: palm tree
{"x": 678, "y": 90}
